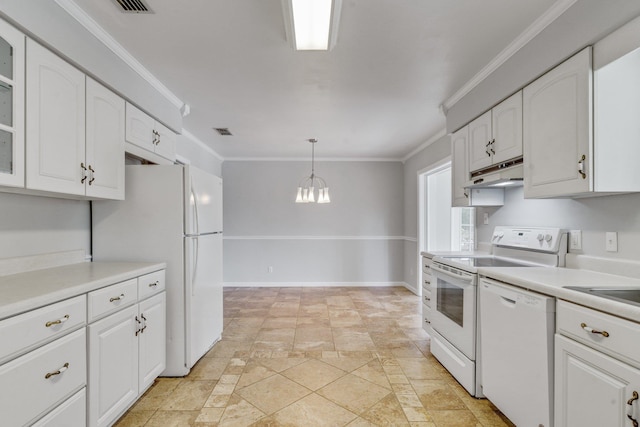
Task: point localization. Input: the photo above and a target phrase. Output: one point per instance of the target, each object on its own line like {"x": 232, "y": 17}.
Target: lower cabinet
{"x": 72, "y": 412}
{"x": 126, "y": 354}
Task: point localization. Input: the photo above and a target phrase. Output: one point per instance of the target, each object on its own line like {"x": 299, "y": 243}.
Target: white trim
{"x": 202, "y": 145}
{"x": 441, "y": 133}
{"x": 318, "y": 159}
{"x": 319, "y": 238}
{"x": 182, "y": 160}
{"x": 553, "y": 13}
{"x": 312, "y": 284}
{"x": 413, "y": 289}
{"x": 103, "y": 36}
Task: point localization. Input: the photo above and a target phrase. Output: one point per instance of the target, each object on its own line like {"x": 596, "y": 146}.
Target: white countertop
{"x": 432, "y": 254}
{"x": 551, "y": 281}
{"x": 27, "y": 291}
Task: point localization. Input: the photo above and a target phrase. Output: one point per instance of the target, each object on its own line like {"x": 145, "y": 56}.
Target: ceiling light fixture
{"x": 307, "y": 186}
{"x": 312, "y": 24}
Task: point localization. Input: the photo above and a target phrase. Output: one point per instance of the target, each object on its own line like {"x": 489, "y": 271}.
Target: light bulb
{"x": 321, "y": 195}
{"x": 312, "y": 198}
{"x": 299, "y": 195}
{"x": 305, "y": 196}
{"x": 326, "y": 195}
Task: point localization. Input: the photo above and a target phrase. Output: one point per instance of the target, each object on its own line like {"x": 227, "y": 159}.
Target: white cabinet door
{"x": 460, "y": 173}
{"x": 152, "y": 340}
{"x": 55, "y": 133}
{"x": 506, "y": 127}
{"x": 166, "y": 142}
{"x": 105, "y": 142}
{"x": 11, "y": 106}
{"x": 140, "y": 128}
{"x": 480, "y": 142}
{"x": 592, "y": 389}
{"x": 113, "y": 366}
{"x": 557, "y": 132}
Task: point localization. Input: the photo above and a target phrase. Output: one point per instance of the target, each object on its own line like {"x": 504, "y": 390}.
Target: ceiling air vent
{"x": 133, "y": 6}
{"x": 223, "y": 131}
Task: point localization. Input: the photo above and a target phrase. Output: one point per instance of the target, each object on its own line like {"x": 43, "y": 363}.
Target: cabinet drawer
{"x": 426, "y": 297}
{"x": 622, "y": 342}
{"x": 112, "y": 298}
{"x": 72, "y": 412}
{"x": 426, "y": 318}
{"x": 19, "y": 334}
{"x": 150, "y": 284}
{"x": 426, "y": 281}
{"x": 426, "y": 265}
{"x": 34, "y": 383}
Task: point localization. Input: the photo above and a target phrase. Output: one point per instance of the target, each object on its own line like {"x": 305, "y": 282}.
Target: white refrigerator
{"x": 171, "y": 214}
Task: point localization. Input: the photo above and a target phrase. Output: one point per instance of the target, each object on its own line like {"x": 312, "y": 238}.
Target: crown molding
{"x": 202, "y": 145}
{"x": 105, "y": 38}
{"x": 318, "y": 159}
{"x": 442, "y": 132}
{"x": 553, "y": 13}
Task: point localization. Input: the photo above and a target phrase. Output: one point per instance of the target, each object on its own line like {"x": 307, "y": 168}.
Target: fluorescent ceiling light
{"x": 312, "y": 24}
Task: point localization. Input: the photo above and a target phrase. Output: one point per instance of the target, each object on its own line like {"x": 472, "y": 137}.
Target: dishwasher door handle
{"x": 507, "y": 301}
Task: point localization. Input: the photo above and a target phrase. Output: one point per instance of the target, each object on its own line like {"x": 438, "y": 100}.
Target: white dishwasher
{"x": 516, "y": 352}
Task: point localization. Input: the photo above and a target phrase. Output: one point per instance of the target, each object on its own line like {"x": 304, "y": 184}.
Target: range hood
{"x": 498, "y": 176}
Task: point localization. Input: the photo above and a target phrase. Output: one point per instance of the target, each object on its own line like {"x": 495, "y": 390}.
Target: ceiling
{"x": 376, "y": 95}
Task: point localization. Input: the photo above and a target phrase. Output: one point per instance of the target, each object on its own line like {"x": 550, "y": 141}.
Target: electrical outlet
{"x": 611, "y": 241}
{"x": 270, "y": 269}
{"x": 575, "y": 240}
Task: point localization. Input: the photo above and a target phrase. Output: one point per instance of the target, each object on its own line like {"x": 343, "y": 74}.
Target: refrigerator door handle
{"x": 196, "y": 220}
{"x": 194, "y": 270}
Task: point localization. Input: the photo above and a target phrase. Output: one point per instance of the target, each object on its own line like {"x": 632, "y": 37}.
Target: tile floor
{"x": 316, "y": 357}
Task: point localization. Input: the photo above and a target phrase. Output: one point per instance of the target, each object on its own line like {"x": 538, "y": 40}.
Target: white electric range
{"x": 455, "y": 312}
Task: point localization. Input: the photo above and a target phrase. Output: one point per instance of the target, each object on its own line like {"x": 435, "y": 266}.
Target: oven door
{"x": 454, "y": 307}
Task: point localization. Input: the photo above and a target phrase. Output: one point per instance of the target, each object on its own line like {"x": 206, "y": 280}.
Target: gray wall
{"x": 433, "y": 153}
{"x": 594, "y": 216}
{"x": 199, "y": 156}
{"x": 584, "y": 23}
{"x": 33, "y": 225}
{"x": 357, "y": 238}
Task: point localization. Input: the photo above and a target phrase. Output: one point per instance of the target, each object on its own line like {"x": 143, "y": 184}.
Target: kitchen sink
{"x": 626, "y": 294}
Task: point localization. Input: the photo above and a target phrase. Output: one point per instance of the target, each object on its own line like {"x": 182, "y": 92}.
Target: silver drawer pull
{"x": 154, "y": 284}
{"x": 634, "y": 397}
{"x": 118, "y": 298}
{"x": 58, "y": 372}
{"x": 427, "y": 299}
{"x": 57, "y": 322}
{"x": 593, "y": 331}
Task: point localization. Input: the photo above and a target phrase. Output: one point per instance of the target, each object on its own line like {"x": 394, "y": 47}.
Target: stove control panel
{"x": 534, "y": 238}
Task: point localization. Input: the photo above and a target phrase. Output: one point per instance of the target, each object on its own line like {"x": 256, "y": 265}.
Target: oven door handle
{"x": 466, "y": 277}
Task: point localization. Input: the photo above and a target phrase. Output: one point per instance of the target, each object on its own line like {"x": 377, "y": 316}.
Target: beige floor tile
{"x": 209, "y": 368}
{"x": 313, "y": 374}
{"x": 387, "y": 412}
{"x": 416, "y": 414}
{"x": 312, "y": 410}
{"x": 135, "y": 418}
{"x": 437, "y": 395}
{"x": 153, "y": 398}
{"x": 281, "y": 364}
{"x": 279, "y": 322}
{"x": 273, "y": 393}
{"x": 420, "y": 369}
{"x": 313, "y": 322}
{"x": 188, "y": 396}
{"x": 454, "y": 418}
{"x": 374, "y": 373}
{"x": 173, "y": 419}
{"x": 254, "y": 372}
{"x": 347, "y": 364}
{"x": 239, "y": 413}
{"x": 210, "y": 415}
{"x": 354, "y": 393}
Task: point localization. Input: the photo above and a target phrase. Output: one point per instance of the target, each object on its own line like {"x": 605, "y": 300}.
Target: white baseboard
{"x": 413, "y": 289}
{"x": 313, "y": 284}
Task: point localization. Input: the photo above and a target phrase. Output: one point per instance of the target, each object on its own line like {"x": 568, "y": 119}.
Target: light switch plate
{"x": 611, "y": 241}
{"x": 575, "y": 240}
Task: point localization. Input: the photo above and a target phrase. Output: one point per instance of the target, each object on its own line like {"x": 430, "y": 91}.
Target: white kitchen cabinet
{"x": 72, "y": 412}
{"x": 126, "y": 350}
{"x": 460, "y": 172}
{"x": 426, "y": 294}
{"x": 145, "y": 132}
{"x": 75, "y": 131}
{"x": 55, "y": 133}
{"x": 558, "y": 137}
{"x": 593, "y": 389}
{"x": 11, "y": 106}
{"x": 496, "y": 136}
{"x": 104, "y": 142}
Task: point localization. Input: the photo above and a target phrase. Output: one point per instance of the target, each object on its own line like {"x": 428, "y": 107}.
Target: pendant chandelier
{"x": 309, "y": 184}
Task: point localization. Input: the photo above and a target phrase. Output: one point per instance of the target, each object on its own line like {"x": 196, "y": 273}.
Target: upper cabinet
{"x": 56, "y": 125}
{"x": 460, "y": 168}
{"x": 145, "y": 132}
{"x": 562, "y": 157}
{"x": 11, "y": 106}
{"x": 496, "y": 136}
{"x": 75, "y": 131}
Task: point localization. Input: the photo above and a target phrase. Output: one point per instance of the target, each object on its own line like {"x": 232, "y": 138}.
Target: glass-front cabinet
{"x": 12, "y": 54}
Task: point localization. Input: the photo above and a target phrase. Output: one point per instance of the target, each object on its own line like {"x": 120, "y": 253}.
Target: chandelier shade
{"x": 309, "y": 184}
